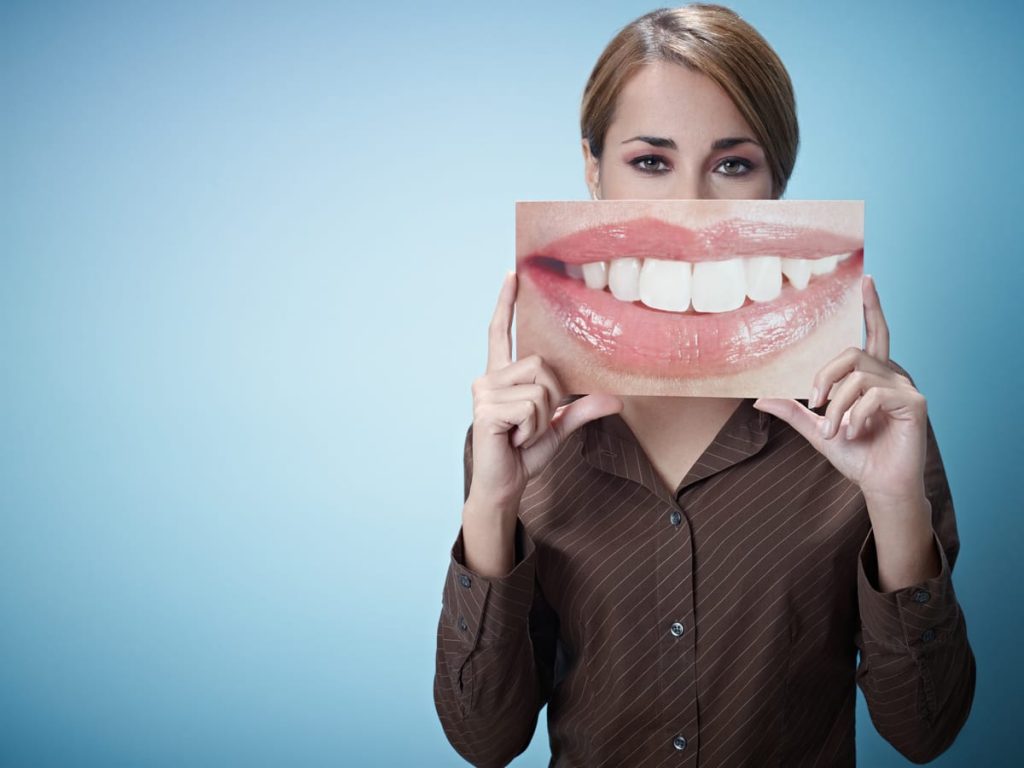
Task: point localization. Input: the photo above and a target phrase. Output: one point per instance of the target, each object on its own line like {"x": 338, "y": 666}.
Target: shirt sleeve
{"x": 496, "y": 641}
{"x": 917, "y": 670}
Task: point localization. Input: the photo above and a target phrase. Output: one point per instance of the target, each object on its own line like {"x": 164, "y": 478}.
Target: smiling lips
{"x": 666, "y": 301}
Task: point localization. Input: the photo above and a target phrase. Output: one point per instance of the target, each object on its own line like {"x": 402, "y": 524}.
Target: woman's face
{"x": 693, "y": 144}
{"x": 716, "y": 298}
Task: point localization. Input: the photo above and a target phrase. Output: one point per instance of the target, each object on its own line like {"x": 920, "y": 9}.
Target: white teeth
{"x": 624, "y": 279}
{"x": 798, "y": 271}
{"x": 718, "y": 286}
{"x": 665, "y": 284}
{"x": 595, "y": 274}
{"x": 764, "y": 277}
{"x": 824, "y": 266}
{"x": 707, "y": 286}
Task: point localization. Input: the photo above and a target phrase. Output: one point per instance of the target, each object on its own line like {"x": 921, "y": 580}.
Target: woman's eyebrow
{"x": 732, "y": 141}
{"x": 654, "y": 141}
{"x": 726, "y": 143}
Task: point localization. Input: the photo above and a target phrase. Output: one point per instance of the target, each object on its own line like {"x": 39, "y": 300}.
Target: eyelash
{"x": 636, "y": 163}
{"x": 648, "y": 171}
{"x": 749, "y": 166}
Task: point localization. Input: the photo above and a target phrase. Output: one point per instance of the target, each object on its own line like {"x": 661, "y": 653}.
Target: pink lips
{"x": 632, "y": 337}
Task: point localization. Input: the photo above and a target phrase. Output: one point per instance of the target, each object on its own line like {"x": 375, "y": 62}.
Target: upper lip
{"x": 730, "y": 238}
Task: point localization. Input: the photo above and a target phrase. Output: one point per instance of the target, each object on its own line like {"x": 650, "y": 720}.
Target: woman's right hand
{"x": 517, "y": 427}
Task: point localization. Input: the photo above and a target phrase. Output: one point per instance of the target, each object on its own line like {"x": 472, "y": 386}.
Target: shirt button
{"x": 676, "y": 629}
{"x": 921, "y": 596}
{"x": 679, "y": 743}
{"x": 464, "y": 580}
{"x": 928, "y": 635}
{"x": 462, "y": 624}
{"x": 675, "y": 518}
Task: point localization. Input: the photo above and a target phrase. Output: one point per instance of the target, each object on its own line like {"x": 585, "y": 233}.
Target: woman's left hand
{"x": 874, "y": 430}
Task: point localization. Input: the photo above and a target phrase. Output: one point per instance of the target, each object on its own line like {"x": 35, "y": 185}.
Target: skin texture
{"x": 873, "y": 430}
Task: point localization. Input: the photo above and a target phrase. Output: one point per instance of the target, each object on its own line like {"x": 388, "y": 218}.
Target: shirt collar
{"x": 744, "y": 434}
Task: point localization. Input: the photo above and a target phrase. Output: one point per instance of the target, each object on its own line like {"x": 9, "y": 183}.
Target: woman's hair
{"x": 715, "y": 41}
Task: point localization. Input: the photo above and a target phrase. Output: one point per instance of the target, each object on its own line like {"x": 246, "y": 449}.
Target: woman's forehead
{"x": 668, "y": 100}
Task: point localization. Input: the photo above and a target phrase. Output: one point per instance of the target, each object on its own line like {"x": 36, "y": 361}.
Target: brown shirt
{"x": 716, "y": 626}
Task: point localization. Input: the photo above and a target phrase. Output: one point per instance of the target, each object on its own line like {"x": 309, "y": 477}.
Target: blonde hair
{"x": 715, "y": 41}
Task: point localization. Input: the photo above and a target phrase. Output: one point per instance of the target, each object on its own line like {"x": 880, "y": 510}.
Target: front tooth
{"x": 844, "y": 256}
{"x": 798, "y": 271}
{"x": 718, "y": 286}
{"x": 595, "y": 274}
{"x": 823, "y": 266}
{"x": 764, "y": 277}
{"x": 574, "y": 271}
{"x": 624, "y": 279}
{"x": 665, "y": 284}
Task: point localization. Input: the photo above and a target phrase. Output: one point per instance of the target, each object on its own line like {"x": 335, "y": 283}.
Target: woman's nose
{"x": 690, "y": 188}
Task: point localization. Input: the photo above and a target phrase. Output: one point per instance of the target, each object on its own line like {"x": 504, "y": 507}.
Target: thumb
{"x": 797, "y": 415}
{"x": 577, "y": 413}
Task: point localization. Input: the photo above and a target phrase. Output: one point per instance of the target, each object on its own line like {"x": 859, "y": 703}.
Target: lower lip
{"x": 634, "y": 338}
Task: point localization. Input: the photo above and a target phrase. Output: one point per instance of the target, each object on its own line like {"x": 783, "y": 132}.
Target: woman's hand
{"x": 517, "y": 426}
{"x": 874, "y": 430}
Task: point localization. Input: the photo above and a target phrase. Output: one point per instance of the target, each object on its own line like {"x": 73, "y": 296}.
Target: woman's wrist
{"x": 488, "y": 536}
{"x": 904, "y": 540}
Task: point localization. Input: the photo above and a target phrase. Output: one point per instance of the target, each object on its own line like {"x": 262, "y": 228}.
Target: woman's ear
{"x": 591, "y": 171}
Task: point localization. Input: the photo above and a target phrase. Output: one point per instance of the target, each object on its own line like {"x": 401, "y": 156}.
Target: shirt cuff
{"x": 915, "y": 618}
{"x": 495, "y": 609}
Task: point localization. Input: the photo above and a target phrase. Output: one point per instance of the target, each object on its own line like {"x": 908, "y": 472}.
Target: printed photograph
{"x": 718, "y": 298}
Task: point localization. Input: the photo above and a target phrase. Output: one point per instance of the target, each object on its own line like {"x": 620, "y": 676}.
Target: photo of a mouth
{"x": 666, "y": 301}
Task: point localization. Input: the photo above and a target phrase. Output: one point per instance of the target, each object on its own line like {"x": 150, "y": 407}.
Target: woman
{"x": 684, "y": 576}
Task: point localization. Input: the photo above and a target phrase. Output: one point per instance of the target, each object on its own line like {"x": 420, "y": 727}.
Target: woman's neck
{"x": 652, "y": 417}
{"x": 674, "y": 431}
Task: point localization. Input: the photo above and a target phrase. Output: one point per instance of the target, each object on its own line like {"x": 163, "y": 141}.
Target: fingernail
{"x": 826, "y": 427}
{"x": 814, "y": 397}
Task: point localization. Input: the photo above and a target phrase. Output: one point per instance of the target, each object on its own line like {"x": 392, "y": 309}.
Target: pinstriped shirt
{"x": 717, "y": 625}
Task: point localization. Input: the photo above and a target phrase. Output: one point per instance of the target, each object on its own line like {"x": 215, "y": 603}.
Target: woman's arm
{"x": 917, "y": 670}
{"x": 496, "y": 641}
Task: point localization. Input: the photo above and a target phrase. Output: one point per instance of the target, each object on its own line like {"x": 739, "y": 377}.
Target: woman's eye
{"x": 735, "y": 166}
{"x": 649, "y": 163}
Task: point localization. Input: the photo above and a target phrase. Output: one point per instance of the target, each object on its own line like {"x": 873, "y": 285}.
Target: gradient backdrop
{"x": 248, "y": 254}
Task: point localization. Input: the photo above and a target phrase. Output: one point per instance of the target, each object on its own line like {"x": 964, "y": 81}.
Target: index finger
{"x": 877, "y": 344}
{"x": 499, "y": 335}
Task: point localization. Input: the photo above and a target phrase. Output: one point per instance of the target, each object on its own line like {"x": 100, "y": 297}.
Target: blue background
{"x": 248, "y": 254}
